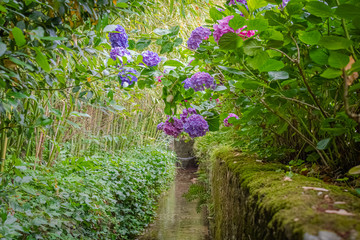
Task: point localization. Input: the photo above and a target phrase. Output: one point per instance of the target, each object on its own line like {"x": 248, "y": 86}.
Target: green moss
{"x": 251, "y": 198}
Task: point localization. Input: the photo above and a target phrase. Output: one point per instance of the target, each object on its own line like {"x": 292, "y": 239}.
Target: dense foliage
{"x": 92, "y": 197}
{"x": 289, "y": 69}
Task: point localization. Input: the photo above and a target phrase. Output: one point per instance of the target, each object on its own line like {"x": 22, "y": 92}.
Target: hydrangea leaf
{"x": 142, "y": 44}
{"x": 319, "y": 9}
{"x": 347, "y": 11}
{"x": 319, "y": 56}
{"x": 237, "y": 22}
{"x": 331, "y": 73}
{"x": 271, "y": 65}
{"x": 257, "y": 24}
{"x": 338, "y": 60}
{"x": 230, "y": 41}
{"x": 334, "y": 42}
{"x": 311, "y": 38}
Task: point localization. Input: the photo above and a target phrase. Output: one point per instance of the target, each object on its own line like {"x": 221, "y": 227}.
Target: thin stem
{"x": 352, "y": 115}
{"x": 296, "y": 130}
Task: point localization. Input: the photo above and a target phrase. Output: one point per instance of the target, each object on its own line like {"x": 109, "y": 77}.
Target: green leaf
{"x": 230, "y": 41}
{"x": 54, "y": 38}
{"x": 338, "y": 60}
{"x": 122, "y": 5}
{"x": 251, "y": 47}
{"x": 178, "y": 42}
{"x": 220, "y": 88}
{"x": 278, "y": 75}
{"x": 323, "y": 144}
{"x": 331, "y": 73}
{"x": 319, "y": 9}
{"x": 141, "y": 84}
{"x": 167, "y": 47}
{"x": 18, "y": 36}
{"x": 216, "y": 14}
{"x": 142, "y": 44}
{"x": 110, "y": 28}
{"x": 311, "y": 38}
{"x": 319, "y": 56}
{"x": 334, "y": 42}
{"x": 161, "y": 32}
{"x": 174, "y": 63}
{"x": 271, "y": 65}
{"x": 2, "y": 48}
{"x": 42, "y": 60}
{"x": 256, "y": 4}
{"x": 355, "y": 170}
{"x": 347, "y": 11}
{"x": 214, "y": 123}
{"x": 232, "y": 70}
{"x": 167, "y": 109}
{"x": 257, "y": 24}
{"x": 237, "y": 22}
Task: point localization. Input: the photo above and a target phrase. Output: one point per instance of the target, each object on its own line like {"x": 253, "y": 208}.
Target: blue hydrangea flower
{"x": 127, "y": 75}
{"x": 232, "y": 2}
{"x": 150, "y": 58}
{"x": 119, "y": 38}
{"x": 197, "y": 37}
{"x": 187, "y": 112}
{"x": 196, "y": 126}
{"x": 119, "y": 52}
{"x": 187, "y": 83}
{"x": 284, "y": 3}
{"x": 160, "y": 126}
{"x": 199, "y": 81}
{"x": 173, "y": 126}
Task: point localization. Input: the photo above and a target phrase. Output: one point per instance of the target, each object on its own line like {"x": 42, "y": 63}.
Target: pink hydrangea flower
{"x": 223, "y": 27}
{"x": 226, "y": 120}
{"x": 158, "y": 78}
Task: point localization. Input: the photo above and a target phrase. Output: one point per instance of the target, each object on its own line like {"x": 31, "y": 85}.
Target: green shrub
{"x": 97, "y": 197}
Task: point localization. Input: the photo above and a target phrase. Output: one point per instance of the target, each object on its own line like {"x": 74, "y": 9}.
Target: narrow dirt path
{"x": 177, "y": 218}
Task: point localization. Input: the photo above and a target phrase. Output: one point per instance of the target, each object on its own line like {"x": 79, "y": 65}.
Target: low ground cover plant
{"x": 93, "y": 197}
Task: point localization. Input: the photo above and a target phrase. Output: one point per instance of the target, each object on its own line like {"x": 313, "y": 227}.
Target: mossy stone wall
{"x": 253, "y": 200}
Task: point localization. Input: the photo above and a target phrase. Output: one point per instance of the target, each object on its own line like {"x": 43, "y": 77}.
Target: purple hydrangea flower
{"x": 232, "y": 2}
{"x": 187, "y": 112}
{"x": 197, "y": 37}
{"x": 223, "y": 27}
{"x": 150, "y": 58}
{"x": 119, "y": 38}
{"x": 284, "y": 3}
{"x": 173, "y": 127}
{"x": 127, "y": 75}
{"x": 226, "y": 120}
{"x": 160, "y": 126}
{"x": 187, "y": 83}
{"x": 199, "y": 81}
{"x": 119, "y": 52}
{"x": 196, "y": 126}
